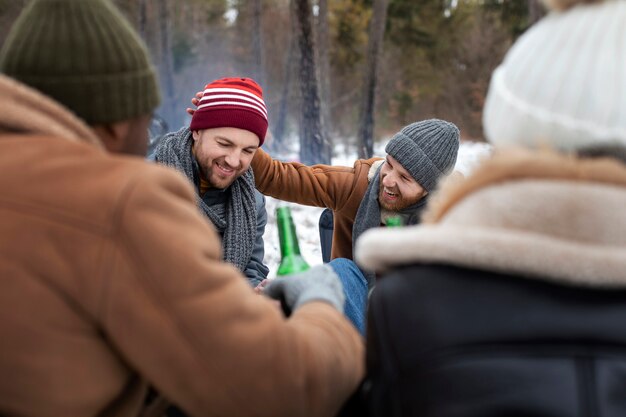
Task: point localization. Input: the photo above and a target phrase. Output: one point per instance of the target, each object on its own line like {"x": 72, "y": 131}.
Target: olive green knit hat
{"x": 85, "y": 55}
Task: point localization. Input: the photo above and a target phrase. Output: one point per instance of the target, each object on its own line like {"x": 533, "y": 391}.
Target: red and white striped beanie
{"x": 232, "y": 102}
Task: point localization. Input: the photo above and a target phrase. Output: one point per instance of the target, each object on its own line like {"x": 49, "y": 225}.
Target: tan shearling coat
{"x": 338, "y": 188}
{"x": 112, "y": 280}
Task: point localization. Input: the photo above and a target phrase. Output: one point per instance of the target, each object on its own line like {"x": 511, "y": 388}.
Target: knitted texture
{"x": 319, "y": 283}
{"x": 427, "y": 149}
{"x": 85, "y": 55}
{"x": 561, "y": 84}
{"x": 237, "y": 222}
{"x": 232, "y": 102}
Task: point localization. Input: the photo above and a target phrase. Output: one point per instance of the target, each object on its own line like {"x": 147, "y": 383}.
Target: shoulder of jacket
{"x": 153, "y": 174}
{"x": 369, "y": 162}
{"x": 370, "y": 166}
{"x": 130, "y": 178}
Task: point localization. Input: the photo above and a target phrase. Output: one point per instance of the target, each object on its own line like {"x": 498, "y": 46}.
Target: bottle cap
{"x": 394, "y": 221}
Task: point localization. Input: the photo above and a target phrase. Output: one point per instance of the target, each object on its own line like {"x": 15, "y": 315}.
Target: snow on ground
{"x": 306, "y": 218}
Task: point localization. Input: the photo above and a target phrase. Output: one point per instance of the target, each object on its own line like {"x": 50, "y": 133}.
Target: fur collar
{"x": 373, "y": 169}
{"x": 540, "y": 214}
{"x": 23, "y": 109}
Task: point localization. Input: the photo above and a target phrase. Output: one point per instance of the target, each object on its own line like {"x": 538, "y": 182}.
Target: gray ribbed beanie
{"x": 85, "y": 55}
{"x": 427, "y": 149}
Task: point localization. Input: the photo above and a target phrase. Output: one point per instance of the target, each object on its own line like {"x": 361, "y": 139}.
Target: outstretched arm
{"x": 191, "y": 326}
{"x": 317, "y": 185}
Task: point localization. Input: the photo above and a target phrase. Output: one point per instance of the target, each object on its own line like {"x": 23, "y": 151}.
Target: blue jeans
{"x": 355, "y": 290}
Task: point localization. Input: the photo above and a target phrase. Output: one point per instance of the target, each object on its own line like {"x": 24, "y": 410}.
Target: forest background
{"x": 334, "y": 72}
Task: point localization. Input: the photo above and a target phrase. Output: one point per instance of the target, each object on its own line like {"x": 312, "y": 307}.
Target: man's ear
{"x": 114, "y": 135}
{"x": 195, "y": 134}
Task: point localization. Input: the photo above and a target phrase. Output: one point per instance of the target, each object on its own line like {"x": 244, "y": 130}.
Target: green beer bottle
{"x": 291, "y": 259}
{"x": 394, "y": 221}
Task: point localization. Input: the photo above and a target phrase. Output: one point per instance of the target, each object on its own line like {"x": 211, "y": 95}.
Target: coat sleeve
{"x": 317, "y": 185}
{"x": 256, "y": 271}
{"x": 192, "y": 326}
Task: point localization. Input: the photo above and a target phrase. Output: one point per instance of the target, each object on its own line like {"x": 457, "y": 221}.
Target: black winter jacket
{"x": 508, "y": 300}
{"x": 447, "y": 342}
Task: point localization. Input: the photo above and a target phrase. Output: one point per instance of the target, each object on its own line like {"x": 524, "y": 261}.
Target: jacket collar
{"x": 25, "y": 110}
{"x": 540, "y": 215}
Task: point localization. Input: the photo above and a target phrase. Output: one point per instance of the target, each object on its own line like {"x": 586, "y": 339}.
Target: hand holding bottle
{"x": 319, "y": 283}
{"x": 297, "y": 282}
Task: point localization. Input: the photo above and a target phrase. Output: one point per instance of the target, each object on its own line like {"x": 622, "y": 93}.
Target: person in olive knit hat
{"x": 112, "y": 279}
{"x": 365, "y": 195}
{"x": 72, "y": 52}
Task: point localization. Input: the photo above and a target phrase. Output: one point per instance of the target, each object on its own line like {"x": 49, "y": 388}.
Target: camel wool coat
{"x": 112, "y": 281}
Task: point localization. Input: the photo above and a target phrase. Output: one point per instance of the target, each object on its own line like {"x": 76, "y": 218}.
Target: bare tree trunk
{"x": 323, "y": 38}
{"x": 257, "y": 41}
{"x": 535, "y": 11}
{"x": 376, "y": 35}
{"x": 167, "y": 65}
{"x": 314, "y": 147}
{"x": 281, "y": 119}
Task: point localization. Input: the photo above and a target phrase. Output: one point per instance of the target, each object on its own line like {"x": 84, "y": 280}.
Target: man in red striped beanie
{"x": 215, "y": 153}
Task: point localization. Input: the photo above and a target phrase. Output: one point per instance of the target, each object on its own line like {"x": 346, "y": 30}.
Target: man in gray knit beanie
{"x": 426, "y": 149}
{"x": 367, "y": 194}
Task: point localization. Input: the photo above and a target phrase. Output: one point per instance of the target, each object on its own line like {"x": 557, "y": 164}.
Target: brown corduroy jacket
{"x": 338, "y": 188}
{"x": 112, "y": 280}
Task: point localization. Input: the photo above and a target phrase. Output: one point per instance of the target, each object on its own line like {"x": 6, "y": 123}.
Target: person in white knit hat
{"x": 563, "y": 83}
{"x": 561, "y": 86}
{"x": 505, "y": 300}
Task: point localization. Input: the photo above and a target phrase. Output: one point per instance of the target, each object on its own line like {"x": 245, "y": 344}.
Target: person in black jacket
{"x": 510, "y": 298}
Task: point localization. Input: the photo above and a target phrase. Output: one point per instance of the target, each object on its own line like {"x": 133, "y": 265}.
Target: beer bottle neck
{"x": 394, "y": 221}
{"x": 287, "y": 236}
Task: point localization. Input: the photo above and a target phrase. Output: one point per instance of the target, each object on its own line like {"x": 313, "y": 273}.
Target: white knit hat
{"x": 563, "y": 83}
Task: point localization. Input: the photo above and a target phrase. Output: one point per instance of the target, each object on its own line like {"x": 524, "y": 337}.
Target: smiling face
{"x": 398, "y": 189}
{"x": 224, "y": 153}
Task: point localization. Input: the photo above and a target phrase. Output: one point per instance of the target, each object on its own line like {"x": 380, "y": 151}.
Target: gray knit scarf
{"x": 237, "y": 221}
{"x": 368, "y": 216}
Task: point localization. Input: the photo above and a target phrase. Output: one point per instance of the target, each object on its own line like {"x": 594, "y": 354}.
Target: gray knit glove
{"x": 319, "y": 283}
